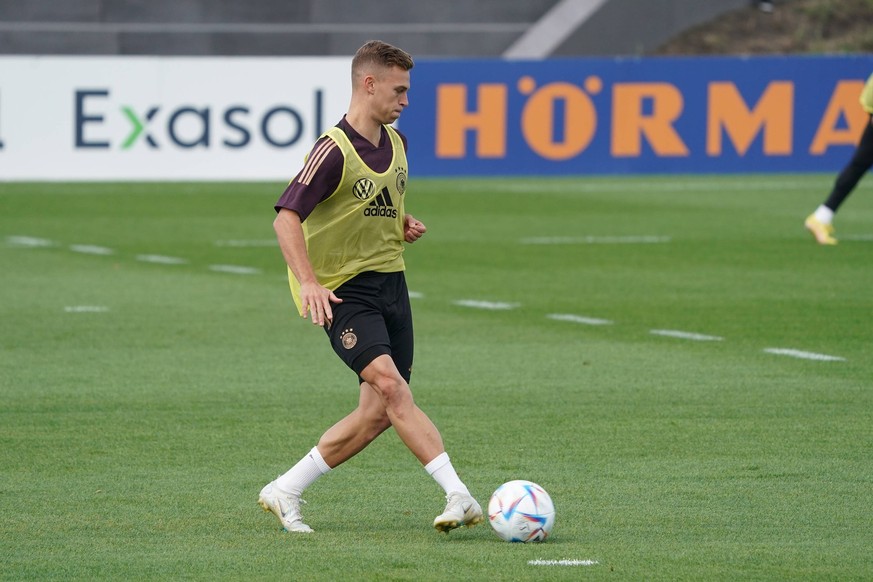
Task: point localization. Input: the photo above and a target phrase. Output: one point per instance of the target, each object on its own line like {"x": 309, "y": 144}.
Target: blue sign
{"x": 635, "y": 115}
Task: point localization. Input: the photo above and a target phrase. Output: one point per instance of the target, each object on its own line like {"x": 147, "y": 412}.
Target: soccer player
{"x": 341, "y": 226}
{"x": 820, "y": 222}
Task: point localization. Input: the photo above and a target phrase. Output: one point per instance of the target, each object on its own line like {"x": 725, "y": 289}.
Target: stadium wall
{"x": 174, "y": 118}
{"x": 448, "y": 28}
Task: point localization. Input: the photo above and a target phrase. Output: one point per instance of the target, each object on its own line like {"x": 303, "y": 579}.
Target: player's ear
{"x": 370, "y": 84}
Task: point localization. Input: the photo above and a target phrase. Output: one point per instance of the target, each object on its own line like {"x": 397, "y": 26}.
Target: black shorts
{"x": 374, "y": 318}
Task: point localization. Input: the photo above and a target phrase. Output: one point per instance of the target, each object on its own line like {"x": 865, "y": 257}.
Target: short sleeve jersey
{"x": 350, "y": 198}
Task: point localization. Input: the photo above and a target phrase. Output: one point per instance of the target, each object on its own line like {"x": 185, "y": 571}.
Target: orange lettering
{"x": 773, "y": 113}
{"x": 488, "y": 121}
{"x": 538, "y": 121}
{"x": 630, "y": 124}
{"x": 844, "y": 101}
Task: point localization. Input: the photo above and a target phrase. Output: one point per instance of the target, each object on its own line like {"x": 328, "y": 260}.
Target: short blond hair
{"x": 380, "y": 54}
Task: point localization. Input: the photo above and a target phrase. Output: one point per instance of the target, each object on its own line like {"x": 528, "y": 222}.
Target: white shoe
{"x": 284, "y": 506}
{"x": 461, "y": 509}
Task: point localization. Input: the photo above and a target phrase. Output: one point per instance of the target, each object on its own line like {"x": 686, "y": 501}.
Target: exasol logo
{"x": 190, "y": 126}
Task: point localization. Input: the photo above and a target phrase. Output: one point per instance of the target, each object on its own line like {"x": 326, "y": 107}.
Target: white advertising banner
{"x": 165, "y": 118}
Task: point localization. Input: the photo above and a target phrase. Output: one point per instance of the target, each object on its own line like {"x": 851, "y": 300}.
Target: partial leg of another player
{"x": 820, "y": 222}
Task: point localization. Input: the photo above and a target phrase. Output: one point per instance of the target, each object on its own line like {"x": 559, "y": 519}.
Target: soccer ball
{"x": 521, "y": 511}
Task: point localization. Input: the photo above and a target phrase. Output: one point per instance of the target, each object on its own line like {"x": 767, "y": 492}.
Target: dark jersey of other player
{"x": 321, "y": 174}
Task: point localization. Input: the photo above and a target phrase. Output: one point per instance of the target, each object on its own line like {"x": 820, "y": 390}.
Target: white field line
{"x": 804, "y": 355}
{"x": 35, "y": 242}
{"x": 698, "y": 337}
{"x": 28, "y": 241}
{"x": 91, "y": 250}
{"x": 416, "y": 295}
{"x": 161, "y": 259}
{"x": 86, "y": 309}
{"x": 234, "y": 269}
{"x": 562, "y": 562}
{"x": 857, "y": 237}
{"x": 493, "y": 305}
{"x": 578, "y": 319}
{"x": 595, "y": 240}
{"x": 267, "y": 242}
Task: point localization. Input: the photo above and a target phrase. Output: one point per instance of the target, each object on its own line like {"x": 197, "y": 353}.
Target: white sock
{"x": 443, "y": 472}
{"x": 303, "y": 474}
{"x": 824, "y": 214}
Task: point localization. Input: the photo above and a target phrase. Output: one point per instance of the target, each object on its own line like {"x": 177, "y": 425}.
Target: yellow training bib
{"x": 359, "y": 227}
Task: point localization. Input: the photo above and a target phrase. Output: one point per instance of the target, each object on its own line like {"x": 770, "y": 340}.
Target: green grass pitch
{"x": 613, "y": 347}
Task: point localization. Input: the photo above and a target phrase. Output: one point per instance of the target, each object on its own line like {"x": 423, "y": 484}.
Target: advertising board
{"x": 172, "y": 118}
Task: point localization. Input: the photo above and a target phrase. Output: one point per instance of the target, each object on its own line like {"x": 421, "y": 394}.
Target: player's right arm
{"x": 315, "y": 300}
{"x": 318, "y": 179}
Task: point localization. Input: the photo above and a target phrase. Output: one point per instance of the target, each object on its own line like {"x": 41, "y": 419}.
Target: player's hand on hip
{"x": 315, "y": 303}
{"x": 413, "y": 229}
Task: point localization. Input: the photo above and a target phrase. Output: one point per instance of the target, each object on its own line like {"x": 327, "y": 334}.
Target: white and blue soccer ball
{"x": 521, "y": 511}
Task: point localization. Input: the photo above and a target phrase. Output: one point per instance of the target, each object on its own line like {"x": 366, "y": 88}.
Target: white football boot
{"x": 284, "y": 506}
{"x": 461, "y": 510}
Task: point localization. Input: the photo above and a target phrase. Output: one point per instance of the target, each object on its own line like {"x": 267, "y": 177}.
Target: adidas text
{"x": 381, "y": 211}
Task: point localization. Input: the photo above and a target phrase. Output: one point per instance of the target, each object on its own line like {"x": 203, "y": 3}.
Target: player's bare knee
{"x": 384, "y": 380}
{"x": 395, "y": 394}
{"x": 400, "y": 406}
{"x": 390, "y": 388}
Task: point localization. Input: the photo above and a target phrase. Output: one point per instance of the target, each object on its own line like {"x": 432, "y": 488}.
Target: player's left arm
{"x": 413, "y": 229}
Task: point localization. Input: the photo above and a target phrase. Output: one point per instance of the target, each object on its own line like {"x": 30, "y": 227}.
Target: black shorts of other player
{"x": 374, "y": 318}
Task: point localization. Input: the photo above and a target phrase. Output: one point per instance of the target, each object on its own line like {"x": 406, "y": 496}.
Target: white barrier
{"x": 165, "y": 118}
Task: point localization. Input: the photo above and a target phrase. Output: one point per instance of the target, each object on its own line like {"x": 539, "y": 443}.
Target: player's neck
{"x": 370, "y": 129}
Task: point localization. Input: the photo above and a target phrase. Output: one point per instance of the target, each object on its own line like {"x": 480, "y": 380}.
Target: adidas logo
{"x": 382, "y": 205}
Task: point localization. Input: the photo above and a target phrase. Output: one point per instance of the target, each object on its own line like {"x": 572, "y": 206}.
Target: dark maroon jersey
{"x": 323, "y": 173}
